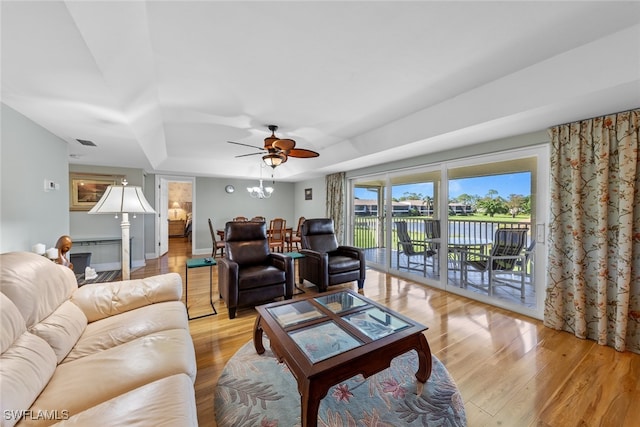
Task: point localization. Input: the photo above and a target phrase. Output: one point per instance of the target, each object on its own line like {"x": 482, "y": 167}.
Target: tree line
{"x": 491, "y": 204}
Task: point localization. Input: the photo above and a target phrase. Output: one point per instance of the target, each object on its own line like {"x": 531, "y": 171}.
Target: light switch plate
{"x": 540, "y": 233}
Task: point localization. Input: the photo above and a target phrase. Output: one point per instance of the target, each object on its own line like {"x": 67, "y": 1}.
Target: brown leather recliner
{"x": 326, "y": 263}
{"x": 250, "y": 274}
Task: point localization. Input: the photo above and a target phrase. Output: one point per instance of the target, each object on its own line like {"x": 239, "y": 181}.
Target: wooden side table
{"x": 176, "y": 227}
{"x": 196, "y": 263}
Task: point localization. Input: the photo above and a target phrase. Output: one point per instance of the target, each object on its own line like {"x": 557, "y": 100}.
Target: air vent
{"x": 86, "y": 143}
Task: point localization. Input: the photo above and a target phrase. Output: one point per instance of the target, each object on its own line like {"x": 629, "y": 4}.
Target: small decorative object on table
{"x": 63, "y": 245}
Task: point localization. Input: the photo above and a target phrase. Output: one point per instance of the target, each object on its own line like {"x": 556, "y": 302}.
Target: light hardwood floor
{"x": 510, "y": 369}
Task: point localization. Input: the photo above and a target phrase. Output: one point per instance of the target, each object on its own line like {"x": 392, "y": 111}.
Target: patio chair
{"x": 413, "y": 249}
{"x": 506, "y": 260}
{"x": 217, "y": 244}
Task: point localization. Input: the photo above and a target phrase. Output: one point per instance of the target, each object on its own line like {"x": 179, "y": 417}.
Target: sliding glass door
{"x": 472, "y": 226}
{"x": 393, "y": 215}
{"x": 491, "y": 212}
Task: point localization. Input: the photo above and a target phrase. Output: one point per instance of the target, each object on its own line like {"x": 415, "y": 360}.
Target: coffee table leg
{"x": 424, "y": 359}
{"x": 257, "y": 335}
{"x": 309, "y": 406}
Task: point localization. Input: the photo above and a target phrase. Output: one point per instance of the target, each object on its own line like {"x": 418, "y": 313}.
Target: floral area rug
{"x": 256, "y": 390}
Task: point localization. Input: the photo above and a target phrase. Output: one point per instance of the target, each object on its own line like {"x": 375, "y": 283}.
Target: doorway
{"x": 176, "y": 212}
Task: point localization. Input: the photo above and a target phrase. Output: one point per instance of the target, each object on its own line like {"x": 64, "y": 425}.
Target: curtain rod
{"x": 602, "y": 115}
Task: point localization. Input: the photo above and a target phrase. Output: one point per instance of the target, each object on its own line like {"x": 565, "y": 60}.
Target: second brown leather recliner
{"x": 251, "y": 274}
{"x": 326, "y": 263}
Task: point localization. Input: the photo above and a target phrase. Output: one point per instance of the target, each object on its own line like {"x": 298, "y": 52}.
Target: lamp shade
{"x": 273, "y": 160}
{"x": 121, "y": 198}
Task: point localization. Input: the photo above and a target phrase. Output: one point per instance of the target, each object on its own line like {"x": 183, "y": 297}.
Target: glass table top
{"x": 341, "y": 301}
{"x": 294, "y": 313}
{"x": 376, "y": 323}
{"x": 334, "y": 323}
{"x": 321, "y": 341}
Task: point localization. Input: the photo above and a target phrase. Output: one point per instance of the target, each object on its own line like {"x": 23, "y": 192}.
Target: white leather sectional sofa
{"x": 107, "y": 354}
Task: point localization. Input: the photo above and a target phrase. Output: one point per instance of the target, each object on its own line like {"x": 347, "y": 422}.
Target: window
{"x": 451, "y": 213}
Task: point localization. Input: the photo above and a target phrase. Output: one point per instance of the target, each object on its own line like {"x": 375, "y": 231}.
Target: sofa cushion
{"x": 122, "y": 328}
{"x": 26, "y": 364}
{"x": 62, "y": 328}
{"x": 164, "y": 402}
{"x": 100, "y": 300}
{"x": 88, "y": 381}
{"x": 36, "y": 285}
{"x": 12, "y": 325}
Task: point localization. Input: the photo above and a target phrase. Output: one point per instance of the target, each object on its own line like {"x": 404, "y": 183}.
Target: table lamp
{"x": 175, "y": 207}
{"x": 120, "y": 199}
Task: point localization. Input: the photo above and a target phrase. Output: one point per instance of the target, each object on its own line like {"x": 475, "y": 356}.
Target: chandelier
{"x": 260, "y": 192}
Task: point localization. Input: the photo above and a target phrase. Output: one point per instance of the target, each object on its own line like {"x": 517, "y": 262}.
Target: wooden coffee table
{"x": 331, "y": 337}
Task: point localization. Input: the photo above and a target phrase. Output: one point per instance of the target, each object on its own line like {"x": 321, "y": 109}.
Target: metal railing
{"x": 369, "y": 231}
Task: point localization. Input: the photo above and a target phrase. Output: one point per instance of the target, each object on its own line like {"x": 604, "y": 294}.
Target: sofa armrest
{"x": 101, "y": 300}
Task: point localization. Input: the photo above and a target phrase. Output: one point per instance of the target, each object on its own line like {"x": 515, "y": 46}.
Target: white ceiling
{"x": 162, "y": 85}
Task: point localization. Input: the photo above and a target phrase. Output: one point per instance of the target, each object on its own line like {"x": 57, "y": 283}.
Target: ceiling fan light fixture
{"x": 273, "y": 159}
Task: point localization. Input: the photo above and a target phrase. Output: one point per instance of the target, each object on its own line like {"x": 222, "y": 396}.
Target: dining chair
{"x": 411, "y": 248}
{"x": 217, "y": 244}
{"x": 241, "y": 218}
{"x": 277, "y": 232}
{"x": 295, "y": 237}
{"x": 506, "y": 260}
{"x": 259, "y": 219}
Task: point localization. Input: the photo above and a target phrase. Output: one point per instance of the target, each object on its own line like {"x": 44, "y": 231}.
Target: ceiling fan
{"x": 276, "y": 151}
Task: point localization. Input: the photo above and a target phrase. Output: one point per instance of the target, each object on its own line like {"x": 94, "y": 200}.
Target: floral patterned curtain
{"x": 336, "y": 201}
{"x": 593, "y": 281}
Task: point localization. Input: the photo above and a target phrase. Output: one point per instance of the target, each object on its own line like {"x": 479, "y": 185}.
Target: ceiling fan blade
{"x": 284, "y": 144}
{"x": 302, "y": 153}
{"x": 250, "y": 154}
{"x": 246, "y": 145}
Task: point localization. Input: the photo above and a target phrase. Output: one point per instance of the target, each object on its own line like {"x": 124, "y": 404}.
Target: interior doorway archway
{"x": 174, "y": 208}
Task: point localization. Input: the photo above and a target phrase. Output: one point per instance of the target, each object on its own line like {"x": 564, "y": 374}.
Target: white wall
{"x": 316, "y": 207}
{"x": 29, "y": 155}
{"x": 496, "y": 146}
{"x": 211, "y": 201}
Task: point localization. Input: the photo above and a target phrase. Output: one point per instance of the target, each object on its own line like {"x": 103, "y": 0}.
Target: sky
{"x": 505, "y": 185}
